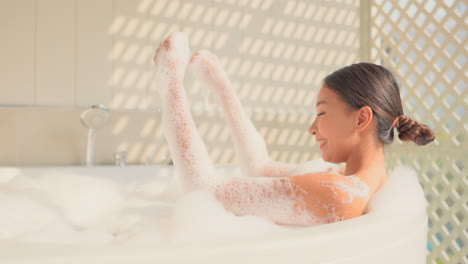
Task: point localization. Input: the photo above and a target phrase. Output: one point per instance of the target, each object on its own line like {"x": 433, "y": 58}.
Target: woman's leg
{"x": 249, "y": 145}
{"x": 188, "y": 151}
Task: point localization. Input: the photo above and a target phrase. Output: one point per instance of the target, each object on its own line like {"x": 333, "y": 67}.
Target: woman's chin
{"x": 328, "y": 159}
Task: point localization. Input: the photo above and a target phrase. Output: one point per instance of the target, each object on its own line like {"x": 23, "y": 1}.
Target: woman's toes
{"x": 174, "y": 48}
{"x": 206, "y": 66}
{"x": 195, "y": 57}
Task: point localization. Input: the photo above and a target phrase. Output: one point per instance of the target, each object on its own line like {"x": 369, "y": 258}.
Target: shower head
{"x": 95, "y": 116}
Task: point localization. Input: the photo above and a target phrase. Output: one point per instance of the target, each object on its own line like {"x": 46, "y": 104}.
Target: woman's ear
{"x": 365, "y": 117}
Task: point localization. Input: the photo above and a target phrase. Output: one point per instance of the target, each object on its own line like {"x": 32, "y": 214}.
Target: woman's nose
{"x": 313, "y": 129}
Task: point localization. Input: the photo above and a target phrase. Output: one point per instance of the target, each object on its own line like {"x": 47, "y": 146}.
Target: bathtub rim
{"x": 125, "y": 254}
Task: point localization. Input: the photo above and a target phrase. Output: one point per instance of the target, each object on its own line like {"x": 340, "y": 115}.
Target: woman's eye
{"x": 321, "y": 114}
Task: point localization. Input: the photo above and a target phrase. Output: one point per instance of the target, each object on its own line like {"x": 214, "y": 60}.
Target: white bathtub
{"x": 397, "y": 234}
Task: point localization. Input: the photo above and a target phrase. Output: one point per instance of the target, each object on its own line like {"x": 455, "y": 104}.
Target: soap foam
{"x": 8, "y": 175}
{"x": 80, "y": 202}
{"x": 277, "y": 199}
{"x": 403, "y": 181}
{"x": 185, "y": 218}
{"x": 200, "y": 217}
{"x": 353, "y": 188}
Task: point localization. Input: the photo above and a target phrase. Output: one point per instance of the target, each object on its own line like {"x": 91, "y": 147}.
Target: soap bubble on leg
{"x": 248, "y": 143}
{"x": 191, "y": 160}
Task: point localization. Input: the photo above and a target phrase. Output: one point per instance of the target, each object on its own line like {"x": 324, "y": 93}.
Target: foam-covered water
{"x": 72, "y": 208}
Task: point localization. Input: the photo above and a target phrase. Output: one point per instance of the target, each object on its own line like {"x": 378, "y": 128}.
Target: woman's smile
{"x": 322, "y": 142}
{"x": 323, "y": 145}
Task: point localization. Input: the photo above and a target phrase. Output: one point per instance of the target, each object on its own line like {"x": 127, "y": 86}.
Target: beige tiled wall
{"x": 55, "y": 52}
{"x": 39, "y": 136}
{"x": 93, "y": 45}
{"x": 34, "y": 136}
{"x": 17, "y": 26}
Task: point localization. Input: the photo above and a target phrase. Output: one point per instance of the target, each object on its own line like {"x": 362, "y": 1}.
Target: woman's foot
{"x": 207, "y": 67}
{"x": 171, "y": 60}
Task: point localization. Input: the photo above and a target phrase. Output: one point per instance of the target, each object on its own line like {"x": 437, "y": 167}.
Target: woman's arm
{"x": 298, "y": 200}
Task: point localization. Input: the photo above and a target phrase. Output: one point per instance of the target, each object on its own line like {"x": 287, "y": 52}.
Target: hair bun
{"x": 403, "y": 123}
{"x": 410, "y": 130}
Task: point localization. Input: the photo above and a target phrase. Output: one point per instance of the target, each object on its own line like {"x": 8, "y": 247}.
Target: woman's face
{"x": 335, "y": 123}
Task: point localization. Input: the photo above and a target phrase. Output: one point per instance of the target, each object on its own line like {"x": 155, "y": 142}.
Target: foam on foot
{"x": 207, "y": 67}
{"x": 171, "y": 59}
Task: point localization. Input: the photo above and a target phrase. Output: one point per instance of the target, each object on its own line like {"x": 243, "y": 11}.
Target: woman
{"x": 358, "y": 107}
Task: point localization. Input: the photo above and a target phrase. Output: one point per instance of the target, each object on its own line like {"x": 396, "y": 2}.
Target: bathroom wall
{"x": 37, "y": 136}
{"x": 61, "y": 56}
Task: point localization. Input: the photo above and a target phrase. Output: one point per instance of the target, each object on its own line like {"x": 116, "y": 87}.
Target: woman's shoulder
{"x": 348, "y": 194}
{"x": 334, "y": 182}
{"x": 329, "y": 179}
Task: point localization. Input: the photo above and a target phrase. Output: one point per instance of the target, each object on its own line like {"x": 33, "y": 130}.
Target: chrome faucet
{"x": 92, "y": 118}
{"x": 120, "y": 158}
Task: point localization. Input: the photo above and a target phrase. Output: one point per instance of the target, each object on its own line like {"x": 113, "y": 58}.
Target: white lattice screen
{"x": 424, "y": 43}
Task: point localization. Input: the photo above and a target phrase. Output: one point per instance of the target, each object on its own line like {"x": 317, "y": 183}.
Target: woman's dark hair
{"x": 367, "y": 84}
